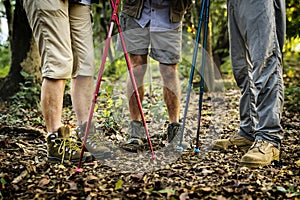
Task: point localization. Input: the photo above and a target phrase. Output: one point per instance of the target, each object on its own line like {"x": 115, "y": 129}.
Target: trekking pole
{"x": 202, "y": 74}
{"x": 114, "y": 18}
{"x": 203, "y": 4}
{"x": 136, "y": 92}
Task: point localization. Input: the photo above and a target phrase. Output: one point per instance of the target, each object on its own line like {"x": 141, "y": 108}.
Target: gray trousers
{"x": 256, "y": 32}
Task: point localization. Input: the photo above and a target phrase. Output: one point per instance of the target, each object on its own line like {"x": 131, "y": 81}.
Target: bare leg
{"x": 52, "y": 95}
{"x": 171, "y": 90}
{"x": 139, "y": 67}
{"x": 82, "y": 88}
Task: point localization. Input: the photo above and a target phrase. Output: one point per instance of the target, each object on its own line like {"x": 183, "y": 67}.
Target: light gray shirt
{"x": 157, "y": 13}
{"x": 86, "y": 2}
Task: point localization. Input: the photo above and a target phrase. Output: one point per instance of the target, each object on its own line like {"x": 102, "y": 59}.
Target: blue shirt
{"x": 86, "y": 2}
{"x": 157, "y": 14}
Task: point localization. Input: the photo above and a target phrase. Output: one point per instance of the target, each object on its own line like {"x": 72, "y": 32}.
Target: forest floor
{"x": 26, "y": 174}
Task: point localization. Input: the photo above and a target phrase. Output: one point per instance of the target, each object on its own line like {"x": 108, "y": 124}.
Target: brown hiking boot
{"x": 61, "y": 147}
{"x": 235, "y": 140}
{"x": 261, "y": 153}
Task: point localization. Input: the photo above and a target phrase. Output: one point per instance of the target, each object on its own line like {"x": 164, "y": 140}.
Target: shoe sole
{"x": 58, "y": 160}
{"x": 256, "y": 165}
{"x": 102, "y": 155}
{"x": 132, "y": 147}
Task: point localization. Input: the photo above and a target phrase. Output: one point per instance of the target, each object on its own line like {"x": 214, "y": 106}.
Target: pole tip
{"x": 153, "y": 157}
{"x": 179, "y": 148}
{"x": 78, "y": 170}
{"x": 197, "y": 150}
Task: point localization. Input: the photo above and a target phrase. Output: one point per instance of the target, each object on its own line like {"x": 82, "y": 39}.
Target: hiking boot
{"x": 136, "y": 133}
{"x": 95, "y": 141}
{"x": 61, "y": 147}
{"x": 261, "y": 153}
{"x": 173, "y": 135}
{"x": 235, "y": 140}
{"x": 172, "y": 131}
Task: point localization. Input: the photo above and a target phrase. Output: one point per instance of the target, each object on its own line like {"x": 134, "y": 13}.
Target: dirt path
{"x": 25, "y": 174}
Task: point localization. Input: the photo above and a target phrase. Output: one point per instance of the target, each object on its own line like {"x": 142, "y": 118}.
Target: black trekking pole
{"x": 202, "y": 74}
{"x": 204, "y": 10}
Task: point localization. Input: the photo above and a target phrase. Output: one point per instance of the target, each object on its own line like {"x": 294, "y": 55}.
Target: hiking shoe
{"x": 172, "y": 131}
{"x": 261, "y": 153}
{"x": 61, "y": 147}
{"x": 235, "y": 140}
{"x": 173, "y": 135}
{"x": 95, "y": 141}
{"x": 136, "y": 133}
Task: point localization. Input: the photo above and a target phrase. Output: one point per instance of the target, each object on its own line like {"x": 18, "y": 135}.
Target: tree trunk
{"x": 22, "y": 47}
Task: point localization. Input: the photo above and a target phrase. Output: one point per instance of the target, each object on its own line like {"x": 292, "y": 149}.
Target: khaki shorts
{"x": 165, "y": 46}
{"x": 64, "y": 36}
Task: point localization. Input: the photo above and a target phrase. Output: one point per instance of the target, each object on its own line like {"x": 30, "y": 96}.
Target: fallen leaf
{"x": 119, "y": 184}
{"x": 20, "y": 177}
{"x": 43, "y": 182}
{"x": 184, "y": 196}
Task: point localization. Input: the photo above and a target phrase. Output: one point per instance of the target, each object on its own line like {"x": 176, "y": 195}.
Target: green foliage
{"x": 116, "y": 69}
{"x": 293, "y": 20}
{"x": 4, "y": 60}
{"x": 219, "y": 20}
{"x": 291, "y": 191}
{"x": 292, "y": 96}
{"x": 226, "y": 68}
{"x": 101, "y": 19}
{"x": 106, "y": 107}
{"x": 24, "y": 106}
{"x": 29, "y": 94}
{"x": 291, "y": 73}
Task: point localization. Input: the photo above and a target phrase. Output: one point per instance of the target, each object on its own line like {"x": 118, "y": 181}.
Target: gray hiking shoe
{"x": 95, "y": 141}
{"x": 173, "y": 131}
{"x": 61, "y": 147}
{"x": 136, "y": 133}
{"x": 173, "y": 135}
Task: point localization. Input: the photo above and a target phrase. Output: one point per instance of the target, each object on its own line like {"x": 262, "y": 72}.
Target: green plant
{"x": 4, "y": 60}
{"x": 29, "y": 94}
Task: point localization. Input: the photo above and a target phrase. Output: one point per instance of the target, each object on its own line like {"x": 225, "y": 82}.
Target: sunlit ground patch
{"x": 111, "y": 114}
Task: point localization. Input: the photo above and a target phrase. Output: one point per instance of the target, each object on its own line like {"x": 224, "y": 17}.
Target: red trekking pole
{"x": 114, "y": 19}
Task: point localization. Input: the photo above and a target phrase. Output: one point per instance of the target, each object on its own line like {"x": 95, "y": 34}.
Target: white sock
{"x": 49, "y": 133}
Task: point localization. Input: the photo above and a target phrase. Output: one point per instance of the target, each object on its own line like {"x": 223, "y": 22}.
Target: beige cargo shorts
{"x": 64, "y": 37}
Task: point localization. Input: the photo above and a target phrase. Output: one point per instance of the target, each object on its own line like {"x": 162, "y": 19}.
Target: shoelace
{"x": 67, "y": 145}
{"x": 80, "y": 133}
{"x": 90, "y": 141}
{"x": 257, "y": 144}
